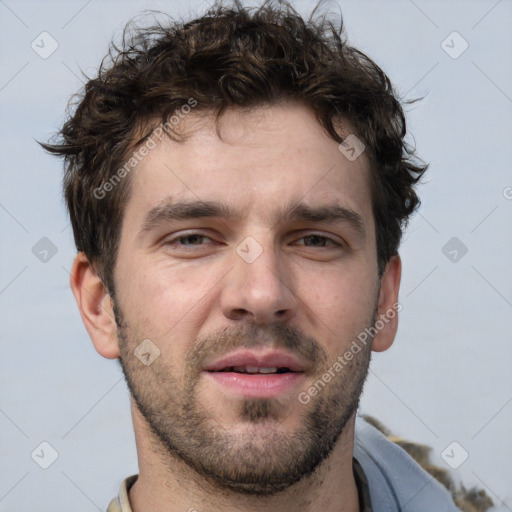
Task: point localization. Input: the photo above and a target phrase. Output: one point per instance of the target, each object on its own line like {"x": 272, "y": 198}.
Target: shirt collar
{"x": 122, "y": 504}
{"x": 363, "y": 489}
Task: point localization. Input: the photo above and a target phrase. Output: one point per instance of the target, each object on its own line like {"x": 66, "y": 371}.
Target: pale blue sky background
{"x": 447, "y": 378}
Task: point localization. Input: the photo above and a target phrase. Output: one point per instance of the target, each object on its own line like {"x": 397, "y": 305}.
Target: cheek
{"x": 342, "y": 308}
{"x": 151, "y": 287}
{"x": 165, "y": 305}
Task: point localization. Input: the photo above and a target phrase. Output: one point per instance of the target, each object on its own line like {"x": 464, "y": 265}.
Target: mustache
{"x": 251, "y": 335}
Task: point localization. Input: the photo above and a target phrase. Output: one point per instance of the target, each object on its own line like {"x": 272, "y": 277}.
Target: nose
{"x": 259, "y": 290}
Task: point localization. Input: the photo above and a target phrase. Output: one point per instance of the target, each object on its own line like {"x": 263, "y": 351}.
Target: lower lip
{"x": 257, "y": 385}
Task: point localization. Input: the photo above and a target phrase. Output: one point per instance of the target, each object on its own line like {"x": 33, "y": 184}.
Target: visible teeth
{"x": 272, "y": 369}
{"x": 255, "y": 369}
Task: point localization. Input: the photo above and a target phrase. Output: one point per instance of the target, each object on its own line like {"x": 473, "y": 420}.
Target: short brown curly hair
{"x": 232, "y": 56}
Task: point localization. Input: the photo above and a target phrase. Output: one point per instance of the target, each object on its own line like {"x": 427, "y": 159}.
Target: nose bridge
{"x": 258, "y": 285}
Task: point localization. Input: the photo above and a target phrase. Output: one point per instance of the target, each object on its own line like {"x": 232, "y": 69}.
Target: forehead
{"x": 255, "y": 158}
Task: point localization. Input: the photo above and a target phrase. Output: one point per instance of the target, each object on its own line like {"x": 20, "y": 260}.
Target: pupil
{"x": 315, "y": 240}
{"x": 191, "y": 239}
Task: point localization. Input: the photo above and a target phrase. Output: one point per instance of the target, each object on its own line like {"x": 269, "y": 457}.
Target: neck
{"x": 167, "y": 484}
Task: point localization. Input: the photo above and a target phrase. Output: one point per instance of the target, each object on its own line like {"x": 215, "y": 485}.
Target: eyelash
{"x": 173, "y": 241}
{"x": 325, "y": 239}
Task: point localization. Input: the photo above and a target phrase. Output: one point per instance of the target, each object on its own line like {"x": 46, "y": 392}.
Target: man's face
{"x": 249, "y": 261}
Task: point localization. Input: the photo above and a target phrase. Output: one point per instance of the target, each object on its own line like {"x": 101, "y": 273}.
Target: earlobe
{"x": 386, "y": 321}
{"x": 96, "y": 307}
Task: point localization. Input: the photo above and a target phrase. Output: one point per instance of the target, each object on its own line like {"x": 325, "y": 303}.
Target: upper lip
{"x": 263, "y": 359}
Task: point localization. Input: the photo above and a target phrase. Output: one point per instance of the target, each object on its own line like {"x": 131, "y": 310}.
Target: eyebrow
{"x": 168, "y": 211}
{"x": 328, "y": 213}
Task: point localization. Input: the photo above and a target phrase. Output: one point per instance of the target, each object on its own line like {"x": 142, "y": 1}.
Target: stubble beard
{"x": 263, "y": 459}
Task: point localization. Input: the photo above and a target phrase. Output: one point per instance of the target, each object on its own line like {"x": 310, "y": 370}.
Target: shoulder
{"x": 400, "y": 473}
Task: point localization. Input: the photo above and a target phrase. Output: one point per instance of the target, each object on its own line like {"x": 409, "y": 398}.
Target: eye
{"x": 192, "y": 239}
{"x": 191, "y": 244}
{"x": 188, "y": 240}
{"x": 315, "y": 240}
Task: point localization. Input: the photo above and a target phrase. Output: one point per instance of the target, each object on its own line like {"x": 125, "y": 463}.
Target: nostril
{"x": 239, "y": 313}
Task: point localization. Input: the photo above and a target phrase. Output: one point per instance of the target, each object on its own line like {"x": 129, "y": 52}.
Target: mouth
{"x": 262, "y": 374}
{"x": 255, "y": 370}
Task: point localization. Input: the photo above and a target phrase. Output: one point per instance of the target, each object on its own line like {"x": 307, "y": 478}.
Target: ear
{"x": 96, "y": 307}
{"x": 388, "y": 306}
